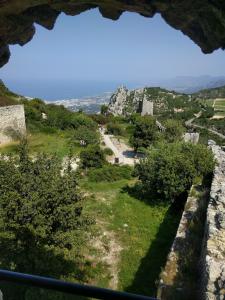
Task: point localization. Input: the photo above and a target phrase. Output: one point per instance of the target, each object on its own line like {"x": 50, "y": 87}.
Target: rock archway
{"x": 202, "y": 20}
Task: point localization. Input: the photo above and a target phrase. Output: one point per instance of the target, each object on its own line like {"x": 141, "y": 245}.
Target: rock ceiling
{"x": 202, "y": 20}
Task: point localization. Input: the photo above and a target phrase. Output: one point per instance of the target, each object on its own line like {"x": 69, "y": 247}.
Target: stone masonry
{"x": 147, "y": 107}
{"x": 213, "y": 254}
{"x": 12, "y": 123}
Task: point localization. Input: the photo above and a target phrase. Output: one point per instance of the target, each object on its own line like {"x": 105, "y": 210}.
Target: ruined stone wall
{"x": 147, "y": 107}
{"x": 12, "y": 123}
{"x": 174, "y": 282}
{"x": 213, "y": 254}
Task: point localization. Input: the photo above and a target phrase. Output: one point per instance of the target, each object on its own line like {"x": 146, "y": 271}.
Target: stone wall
{"x": 210, "y": 264}
{"x": 12, "y": 123}
{"x": 213, "y": 254}
{"x": 191, "y": 137}
{"x": 147, "y": 107}
{"x": 175, "y": 282}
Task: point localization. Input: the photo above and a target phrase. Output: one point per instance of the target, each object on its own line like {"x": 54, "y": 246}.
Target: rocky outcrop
{"x": 12, "y": 123}
{"x": 201, "y": 20}
{"x": 125, "y": 102}
{"x": 213, "y": 266}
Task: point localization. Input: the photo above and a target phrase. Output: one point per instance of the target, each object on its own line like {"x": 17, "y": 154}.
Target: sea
{"x": 53, "y": 90}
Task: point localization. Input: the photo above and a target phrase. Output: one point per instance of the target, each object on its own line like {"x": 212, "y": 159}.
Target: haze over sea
{"x": 64, "y": 89}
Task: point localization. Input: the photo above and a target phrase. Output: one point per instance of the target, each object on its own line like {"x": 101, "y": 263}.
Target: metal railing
{"x": 67, "y": 287}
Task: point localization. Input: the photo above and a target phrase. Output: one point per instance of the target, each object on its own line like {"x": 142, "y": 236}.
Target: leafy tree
{"x": 41, "y": 217}
{"x": 174, "y": 130}
{"x": 104, "y": 109}
{"x": 116, "y": 129}
{"x": 145, "y": 132}
{"x": 170, "y": 169}
{"x": 92, "y": 157}
{"x": 100, "y": 119}
{"x": 86, "y": 135}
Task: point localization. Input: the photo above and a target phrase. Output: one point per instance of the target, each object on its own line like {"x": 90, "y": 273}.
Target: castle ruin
{"x": 147, "y": 107}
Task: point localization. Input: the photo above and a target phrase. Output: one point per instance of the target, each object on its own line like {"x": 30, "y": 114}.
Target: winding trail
{"x": 190, "y": 123}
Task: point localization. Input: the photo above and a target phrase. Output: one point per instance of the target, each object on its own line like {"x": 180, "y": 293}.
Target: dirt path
{"x": 124, "y": 153}
{"x": 109, "y": 251}
{"x": 190, "y": 123}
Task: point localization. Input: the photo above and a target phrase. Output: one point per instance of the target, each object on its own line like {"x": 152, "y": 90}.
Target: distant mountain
{"x": 190, "y": 84}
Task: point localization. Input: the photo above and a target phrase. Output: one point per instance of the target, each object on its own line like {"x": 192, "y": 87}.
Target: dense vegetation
{"x": 41, "y": 220}
{"x": 170, "y": 169}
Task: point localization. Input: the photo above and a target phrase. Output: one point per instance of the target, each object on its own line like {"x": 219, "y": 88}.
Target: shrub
{"x": 86, "y": 135}
{"x": 116, "y": 129}
{"x": 92, "y": 157}
{"x": 170, "y": 170}
{"x": 174, "y": 130}
{"x": 108, "y": 151}
{"x": 42, "y": 219}
{"x": 145, "y": 132}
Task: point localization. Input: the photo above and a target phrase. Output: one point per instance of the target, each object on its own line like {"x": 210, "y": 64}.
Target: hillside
{"x": 6, "y": 96}
{"x": 212, "y": 93}
{"x": 125, "y": 102}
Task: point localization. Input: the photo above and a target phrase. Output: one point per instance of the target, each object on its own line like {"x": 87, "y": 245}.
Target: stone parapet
{"x": 213, "y": 254}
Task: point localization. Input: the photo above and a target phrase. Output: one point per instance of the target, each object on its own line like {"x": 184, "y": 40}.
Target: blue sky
{"x": 90, "y": 48}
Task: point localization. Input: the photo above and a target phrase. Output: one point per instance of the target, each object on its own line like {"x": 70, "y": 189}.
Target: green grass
{"x": 145, "y": 241}
{"x": 56, "y": 143}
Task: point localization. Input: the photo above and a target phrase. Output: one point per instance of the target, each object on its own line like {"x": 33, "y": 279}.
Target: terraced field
{"x": 219, "y": 107}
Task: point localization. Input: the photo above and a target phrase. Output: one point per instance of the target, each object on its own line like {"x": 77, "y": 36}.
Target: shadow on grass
{"x": 37, "y": 260}
{"x": 137, "y": 192}
{"x": 146, "y": 277}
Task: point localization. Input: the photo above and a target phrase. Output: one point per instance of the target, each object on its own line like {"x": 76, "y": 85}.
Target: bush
{"x": 108, "y": 151}
{"x": 110, "y": 173}
{"x": 174, "y": 130}
{"x": 116, "y": 129}
{"x": 86, "y": 135}
{"x": 42, "y": 218}
{"x": 58, "y": 116}
{"x": 92, "y": 157}
{"x": 170, "y": 170}
{"x": 145, "y": 132}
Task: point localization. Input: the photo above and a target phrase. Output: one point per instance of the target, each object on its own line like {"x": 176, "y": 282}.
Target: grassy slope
{"x": 145, "y": 241}
{"x": 57, "y": 143}
{"x": 6, "y": 96}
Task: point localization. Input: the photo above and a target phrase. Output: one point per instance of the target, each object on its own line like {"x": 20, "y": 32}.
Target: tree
{"x": 92, "y": 157}
{"x": 174, "y": 130}
{"x": 86, "y": 135}
{"x": 145, "y": 132}
{"x": 104, "y": 109}
{"x": 41, "y": 217}
{"x": 170, "y": 169}
{"x": 116, "y": 129}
